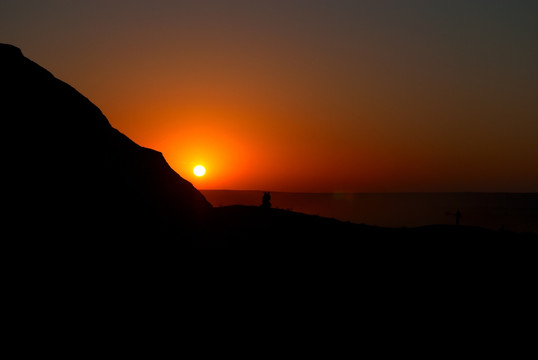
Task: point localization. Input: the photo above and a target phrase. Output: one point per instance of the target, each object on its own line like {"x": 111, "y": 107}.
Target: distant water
{"x": 513, "y": 211}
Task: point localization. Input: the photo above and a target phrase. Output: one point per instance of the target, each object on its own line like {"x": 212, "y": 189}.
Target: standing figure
{"x": 458, "y": 217}
{"x": 266, "y": 200}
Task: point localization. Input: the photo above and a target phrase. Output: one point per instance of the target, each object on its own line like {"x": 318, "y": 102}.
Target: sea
{"x": 508, "y": 211}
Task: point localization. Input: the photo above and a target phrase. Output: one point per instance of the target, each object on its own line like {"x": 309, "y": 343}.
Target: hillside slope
{"x": 71, "y": 173}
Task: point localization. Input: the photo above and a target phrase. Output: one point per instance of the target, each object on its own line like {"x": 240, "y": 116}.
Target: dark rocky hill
{"x": 70, "y": 173}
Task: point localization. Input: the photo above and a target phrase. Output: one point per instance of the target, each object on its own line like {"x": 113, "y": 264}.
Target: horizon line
{"x": 376, "y": 192}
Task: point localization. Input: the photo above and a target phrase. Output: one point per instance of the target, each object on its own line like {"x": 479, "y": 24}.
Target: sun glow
{"x": 199, "y": 170}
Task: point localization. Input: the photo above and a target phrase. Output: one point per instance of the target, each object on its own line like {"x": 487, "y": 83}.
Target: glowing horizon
{"x": 306, "y": 96}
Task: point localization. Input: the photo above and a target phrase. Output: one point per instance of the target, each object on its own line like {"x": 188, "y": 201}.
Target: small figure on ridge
{"x": 266, "y": 200}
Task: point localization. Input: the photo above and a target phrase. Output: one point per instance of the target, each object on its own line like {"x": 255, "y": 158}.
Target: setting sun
{"x": 199, "y": 170}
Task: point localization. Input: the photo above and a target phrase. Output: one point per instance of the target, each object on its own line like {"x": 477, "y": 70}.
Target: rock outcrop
{"x": 69, "y": 172}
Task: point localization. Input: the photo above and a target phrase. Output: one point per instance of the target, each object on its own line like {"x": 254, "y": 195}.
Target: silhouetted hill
{"x": 71, "y": 173}
{"x": 255, "y": 227}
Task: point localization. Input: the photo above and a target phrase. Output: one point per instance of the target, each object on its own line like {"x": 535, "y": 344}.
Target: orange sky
{"x": 313, "y": 96}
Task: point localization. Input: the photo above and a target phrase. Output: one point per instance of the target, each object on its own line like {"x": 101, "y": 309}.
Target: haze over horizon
{"x": 306, "y": 96}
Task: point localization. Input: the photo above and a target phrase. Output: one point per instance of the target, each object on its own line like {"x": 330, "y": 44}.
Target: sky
{"x": 307, "y": 96}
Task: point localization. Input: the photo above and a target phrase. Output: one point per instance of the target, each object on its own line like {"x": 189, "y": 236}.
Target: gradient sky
{"x": 312, "y": 96}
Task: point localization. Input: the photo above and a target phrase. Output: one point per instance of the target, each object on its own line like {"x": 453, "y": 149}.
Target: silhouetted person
{"x": 458, "y": 217}
{"x": 266, "y": 200}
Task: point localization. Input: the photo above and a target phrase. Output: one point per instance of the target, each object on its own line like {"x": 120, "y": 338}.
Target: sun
{"x": 199, "y": 170}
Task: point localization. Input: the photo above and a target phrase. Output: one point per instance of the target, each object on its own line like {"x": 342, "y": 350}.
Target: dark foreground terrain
{"x": 510, "y": 211}
{"x": 250, "y": 227}
{"x": 75, "y": 185}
